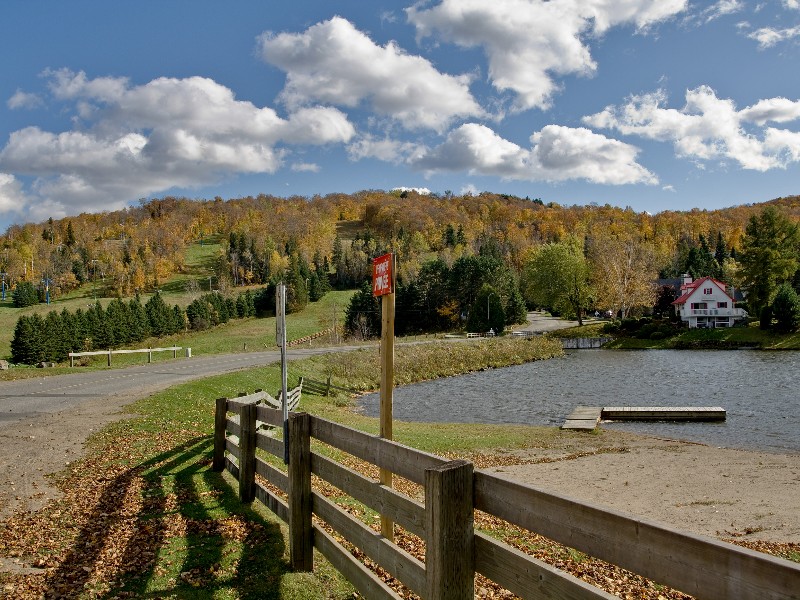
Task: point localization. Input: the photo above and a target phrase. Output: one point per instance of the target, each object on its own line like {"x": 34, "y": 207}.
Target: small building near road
{"x": 707, "y": 303}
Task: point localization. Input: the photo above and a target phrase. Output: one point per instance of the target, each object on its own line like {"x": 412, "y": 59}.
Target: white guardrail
{"x": 173, "y": 349}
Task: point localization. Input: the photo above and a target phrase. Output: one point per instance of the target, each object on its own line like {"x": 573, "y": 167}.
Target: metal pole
{"x": 280, "y": 318}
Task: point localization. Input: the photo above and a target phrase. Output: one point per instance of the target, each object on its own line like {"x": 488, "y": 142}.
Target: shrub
{"x": 786, "y": 310}
{"x": 25, "y": 294}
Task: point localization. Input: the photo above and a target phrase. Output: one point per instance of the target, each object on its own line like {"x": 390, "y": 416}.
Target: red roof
{"x": 687, "y": 289}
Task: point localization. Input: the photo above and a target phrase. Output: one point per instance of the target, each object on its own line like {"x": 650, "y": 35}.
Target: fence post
{"x": 449, "y": 547}
{"x": 71, "y": 360}
{"x": 109, "y": 357}
{"x": 247, "y": 450}
{"x": 174, "y": 352}
{"x": 301, "y": 534}
{"x": 328, "y": 389}
{"x": 149, "y": 355}
{"x": 220, "y": 420}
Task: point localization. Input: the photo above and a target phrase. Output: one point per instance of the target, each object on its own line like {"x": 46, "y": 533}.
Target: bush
{"x": 25, "y": 294}
{"x": 657, "y": 335}
{"x": 786, "y": 310}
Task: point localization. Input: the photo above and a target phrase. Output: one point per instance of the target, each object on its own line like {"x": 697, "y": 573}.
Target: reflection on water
{"x": 757, "y": 388}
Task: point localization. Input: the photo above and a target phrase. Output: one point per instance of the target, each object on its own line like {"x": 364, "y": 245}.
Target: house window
{"x": 722, "y": 305}
{"x": 699, "y": 305}
{"x": 708, "y": 291}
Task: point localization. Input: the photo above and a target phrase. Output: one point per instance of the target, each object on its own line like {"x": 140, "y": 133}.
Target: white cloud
{"x": 557, "y": 154}
{"x": 422, "y": 191}
{"x": 770, "y": 36}
{"x": 721, "y": 8}
{"x": 792, "y": 4}
{"x": 469, "y": 190}
{"x": 22, "y": 99}
{"x": 138, "y": 140}
{"x": 12, "y": 198}
{"x": 305, "y": 168}
{"x": 707, "y": 127}
{"x": 529, "y": 43}
{"x": 387, "y": 150}
{"x": 333, "y": 62}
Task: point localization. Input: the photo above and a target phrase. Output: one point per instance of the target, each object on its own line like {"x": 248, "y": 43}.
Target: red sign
{"x": 382, "y": 276}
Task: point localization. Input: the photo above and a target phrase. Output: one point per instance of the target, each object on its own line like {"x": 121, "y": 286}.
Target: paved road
{"x": 28, "y": 398}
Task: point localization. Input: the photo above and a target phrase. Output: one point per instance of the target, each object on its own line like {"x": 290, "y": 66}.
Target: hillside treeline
{"x": 53, "y": 337}
{"x": 616, "y": 253}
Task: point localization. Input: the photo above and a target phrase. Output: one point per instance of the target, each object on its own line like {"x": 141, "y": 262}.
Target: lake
{"x": 759, "y": 390}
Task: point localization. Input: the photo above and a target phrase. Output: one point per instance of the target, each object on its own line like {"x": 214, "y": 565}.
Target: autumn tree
{"x": 623, "y": 273}
{"x": 769, "y": 256}
{"x": 557, "y": 277}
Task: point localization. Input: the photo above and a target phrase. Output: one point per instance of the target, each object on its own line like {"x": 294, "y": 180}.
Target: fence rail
{"x": 700, "y": 566}
{"x": 149, "y": 351}
{"x": 322, "y": 388}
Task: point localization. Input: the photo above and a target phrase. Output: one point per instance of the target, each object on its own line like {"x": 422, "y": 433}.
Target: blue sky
{"x": 656, "y": 105}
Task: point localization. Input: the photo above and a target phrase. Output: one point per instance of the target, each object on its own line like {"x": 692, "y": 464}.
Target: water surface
{"x": 759, "y": 389}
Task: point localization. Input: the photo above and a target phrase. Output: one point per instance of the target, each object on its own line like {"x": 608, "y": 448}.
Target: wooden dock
{"x": 588, "y": 417}
{"x": 663, "y": 413}
{"x": 583, "y": 417}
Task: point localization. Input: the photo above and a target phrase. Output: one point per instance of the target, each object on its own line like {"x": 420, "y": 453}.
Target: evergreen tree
{"x": 54, "y": 338}
{"x": 786, "y": 309}
{"x": 516, "y": 311}
{"x": 26, "y": 342}
{"x": 363, "y": 316}
{"x": 25, "y": 294}
{"x": 159, "y": 315}
{"x": 178, "y": 319}
{"x": 769, "y": 256}
{"x": 139, "y": 324}
{"x": 487, "y": 312}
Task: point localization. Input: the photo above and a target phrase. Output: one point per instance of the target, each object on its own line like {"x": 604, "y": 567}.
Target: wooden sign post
{"x": 383, "y": 280}
{"x": 280, "y": 335}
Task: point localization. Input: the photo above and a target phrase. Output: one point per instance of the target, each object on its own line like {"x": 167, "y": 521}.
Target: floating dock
{"x": 663, "y": 413}
{"x": 583, "y": 417}
{"x": 588, "y": 417}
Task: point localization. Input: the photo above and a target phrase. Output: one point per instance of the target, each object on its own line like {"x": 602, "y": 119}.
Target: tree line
{"x": 53, "y": 337}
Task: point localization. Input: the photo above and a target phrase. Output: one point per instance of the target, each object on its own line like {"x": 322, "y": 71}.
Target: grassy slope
{"x": 143, "y": 514}
{"x": 256, "y": 334}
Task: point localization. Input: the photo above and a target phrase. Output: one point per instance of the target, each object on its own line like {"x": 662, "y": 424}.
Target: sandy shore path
{"x": 718, "y": 492}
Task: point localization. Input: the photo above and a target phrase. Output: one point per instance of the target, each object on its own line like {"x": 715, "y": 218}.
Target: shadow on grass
{"x": 172, "y": 527}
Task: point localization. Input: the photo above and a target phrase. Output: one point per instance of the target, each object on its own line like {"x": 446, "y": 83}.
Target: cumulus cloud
{"x": 12, "y": 198}
{"x": 333, "y": 62}
{"x": 709, "y": 128}
{"x": 386, "y": 149}
{"x": 771, "y": 36}
{"x": 529, "y": 43}
{"x": 557, "y": 154}
{"x": 22, "y": 99}
{"x": 133, "y": 141}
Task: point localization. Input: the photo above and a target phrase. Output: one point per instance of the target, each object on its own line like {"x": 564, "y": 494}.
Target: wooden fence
{"x": 703, "y": 567}
{"x": 173, "y": 349}
{"x": 322, "y": 388}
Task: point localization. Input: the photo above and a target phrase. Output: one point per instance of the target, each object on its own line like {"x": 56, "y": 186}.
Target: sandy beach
{"x": 718, "y": 492}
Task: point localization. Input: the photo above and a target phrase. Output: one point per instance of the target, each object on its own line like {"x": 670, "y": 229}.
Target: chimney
{"x": 687, "y": 279}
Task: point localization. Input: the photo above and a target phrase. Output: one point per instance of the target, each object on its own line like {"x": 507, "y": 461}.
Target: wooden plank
{"x": 409, "y": 514}
{"x": 449, "y": 543}
{"x": 401, "y": 460}
{"x": 232, "y": 426}
{"x": 269, "y": 444}
{"x": 696, "y": 565}
{"x": 583, "y": 418}
{"x": 272, "y": 502}
{"x": 583, "y": 424}
{"x": 275, "y": 476}
{"x": 271, "y": 416}
{"x": 528, "y": 577}
{"x": 301, "y": 542}
{"x": 364, "y": 580}
{"x": 220, "y": 422}
{"x": 387, "y": 391}
{"x": 247, "y": 453}
{"x": 395, "y": 560}
{"x": 232, "y": 466}
{"x": 230, "y": 446}
{"x": 658, "y": 413}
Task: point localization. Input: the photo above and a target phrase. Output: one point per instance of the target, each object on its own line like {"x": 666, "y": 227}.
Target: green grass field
{"x": 235, "y": 336}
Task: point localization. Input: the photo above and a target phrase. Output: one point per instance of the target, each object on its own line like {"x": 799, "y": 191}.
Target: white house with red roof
{"x": 707, "y": 303}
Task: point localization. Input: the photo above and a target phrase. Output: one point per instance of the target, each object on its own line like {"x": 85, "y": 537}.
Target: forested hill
{"x": 141, "y": 247}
